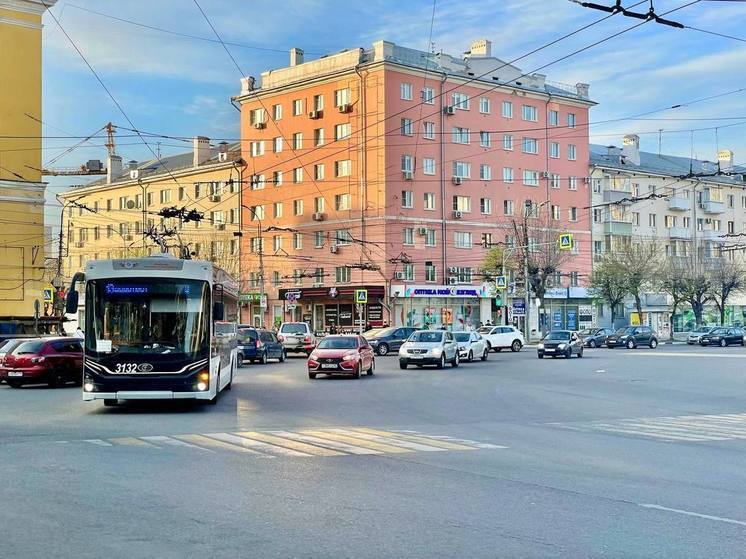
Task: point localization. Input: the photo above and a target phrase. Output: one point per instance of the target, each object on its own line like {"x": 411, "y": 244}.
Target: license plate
{"x": 548, "y": 350}
{"x": 329, "y": 366}
{"x": 15, "y": 374}
{"x": 416, "y": 357}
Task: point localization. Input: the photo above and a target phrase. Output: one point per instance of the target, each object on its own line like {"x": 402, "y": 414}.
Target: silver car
{"x": 429, "y": 347}
{"x": 471, "y": 345}
{"x": 695, "y": 336}
{"x": 296, "y": 337}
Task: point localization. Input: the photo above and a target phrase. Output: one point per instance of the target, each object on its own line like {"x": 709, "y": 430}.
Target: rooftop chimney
{"x": 631, "y": 148}
{"x": 296, "y": 56}
{"x": 201, "y": 150}
{"x": 131, "y": 164}
{"x": 481, "y": 47}
{"x": 725, "y": 158}
{"x": 223, "y": 147}
{"x": 113, "y": 168}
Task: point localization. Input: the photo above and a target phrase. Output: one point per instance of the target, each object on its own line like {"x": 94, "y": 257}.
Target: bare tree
{"x": 640, "y": 260}
{"x": 670, "y": 280}
{"x": 727, "y": 277}
{"x": 609, "y": 281}
{"x": 697, "y": 283}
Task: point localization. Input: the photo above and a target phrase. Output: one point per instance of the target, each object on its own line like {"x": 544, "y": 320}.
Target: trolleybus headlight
{"x": 88, "y": 387}
{"x": 203, "y": 380}
{"x": 201, "y": 386}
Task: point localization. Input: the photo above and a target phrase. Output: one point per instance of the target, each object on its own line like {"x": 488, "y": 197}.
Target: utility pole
{"x": 527, "y": 284}
{"x": 262, "y": 310}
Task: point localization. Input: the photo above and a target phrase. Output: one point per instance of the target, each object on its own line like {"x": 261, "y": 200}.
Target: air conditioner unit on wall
{"x": 408, "y": 175}
{"x": 314, "y": 114}
{"x": 334, "y": 249}
{"x": 453, "y": 270}
{"x": 544, "y": 175}
{"x": 449, "y": 110}
{"x": 345, "y": 108}
{"x": 215, "y": 198}
{"x": 422, "y": 231}
{"x": 259, "y": 125}
{"x": 457, "y": 214}
{"x": 400, "y": 275}
{"x": 318, "y": 216}
{"x": 457, "y": 180}
{"x": 452, "y": 280}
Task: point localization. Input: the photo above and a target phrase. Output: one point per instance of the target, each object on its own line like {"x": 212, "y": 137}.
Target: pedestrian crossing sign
{"x": 565, "y": 241}
{"x": 48, "y": 294}
{"x": 501, "y": 282}
{"x": 361, "y": 296}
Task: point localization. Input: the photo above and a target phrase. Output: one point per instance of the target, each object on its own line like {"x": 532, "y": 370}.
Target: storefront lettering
{"x": 447, "y": 292}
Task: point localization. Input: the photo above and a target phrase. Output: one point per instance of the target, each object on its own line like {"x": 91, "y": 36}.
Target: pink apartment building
{"x": 389, "y": 169}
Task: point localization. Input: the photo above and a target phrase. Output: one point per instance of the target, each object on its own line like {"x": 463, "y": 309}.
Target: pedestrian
{"x": 79, "y": 333}
{"x": 489, "y": 322}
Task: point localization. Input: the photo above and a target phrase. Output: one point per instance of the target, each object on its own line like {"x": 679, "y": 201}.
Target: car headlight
{"x": 562, "y": 346}
{"x": 540, "y": 346}
{"x": 349, "y": 357}
{"x": 313, "y": 356}
{"x": 437, "y": 351}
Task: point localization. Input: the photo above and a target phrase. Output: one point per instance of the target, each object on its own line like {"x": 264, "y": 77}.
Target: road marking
{"x": 214, "y": 444}
{"x": 98, "y": 442}
{"x": 696, "y": 514}
{"x": 259, "y": 446}
{"x": 280, "y": 442}
{"x": 344, "y": 447}
{"x": 417, "y": 439}
{"x": 682, "y": 354}
{"x": 389, "y": 440}
{"x": 171, "y": 442}
{"x": 642, "y": 433}
{"x": 468, "y": 442}
{"x": 358, "y": 442}
{"x": 131, "y": 441}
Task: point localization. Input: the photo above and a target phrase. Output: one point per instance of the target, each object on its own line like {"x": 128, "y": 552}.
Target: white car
{"x": 502, "y": 337}
{"x": 471, "y": 345}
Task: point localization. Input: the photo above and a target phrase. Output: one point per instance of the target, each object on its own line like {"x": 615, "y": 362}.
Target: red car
{"x": 54, "y": 361}
{"x": 342, "y": 354}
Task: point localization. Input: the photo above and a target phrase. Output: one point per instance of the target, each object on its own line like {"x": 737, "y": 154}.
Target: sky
{"x": 181, "y": 86}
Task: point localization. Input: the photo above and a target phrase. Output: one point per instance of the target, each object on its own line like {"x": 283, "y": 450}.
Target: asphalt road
{"x": 620, "y": 454}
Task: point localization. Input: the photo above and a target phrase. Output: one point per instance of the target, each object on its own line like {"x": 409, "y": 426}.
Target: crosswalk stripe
{"x": 203, "y": 441}
{"x": 131, "y": 441}
{"x": 707, "y": 428}
{"x": 345, "y": 438}
{"x": 672, "y": 429}
{"x": 290, "y": 444}
{"x": 171, "y": 442}
{"x": 398, "y": 442}
{"x": 471, "y": 443}
{"x": 343, "y": 447}
{"x": 258, "y": 446}
{"x": 417, "y": 439}
{"x": 98, "y": 442}
{"x": 641, "y": 433}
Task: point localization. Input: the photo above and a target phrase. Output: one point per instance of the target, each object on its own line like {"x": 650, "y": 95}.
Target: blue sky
{"x": 179, "y": 86}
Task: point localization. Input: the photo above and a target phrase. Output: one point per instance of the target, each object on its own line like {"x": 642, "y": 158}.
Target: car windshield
{"x": 719, "y": 331}
{"x": 225, "y": 328}
{"x": 337, "y": 343}
{"x": 379, "y": 333}
{"x": 587, "y": 332}
{"x": 29, "y": 347}
{"x": 246, "y": 334}
{"x": 625, "y": 330}
{"x": 557, "y": 336}
{"x": 5, "y": 346}
{"x": 428, "y": 337}
{"x": 703, "y": 329}
{"x": 294, "y": 328}
{"x": 461, "y": 336}
{"x": 485, "y": 329}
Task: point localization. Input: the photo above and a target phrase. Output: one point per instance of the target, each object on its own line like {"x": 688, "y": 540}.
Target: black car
{"x": 258, "y": 345}
{"x": 595, "y": 337}
{"x": 632, "y": 337}
{"x": 560, "y": 342}
{"x": 722, "y": 337}
{"x": 385, "y": 340}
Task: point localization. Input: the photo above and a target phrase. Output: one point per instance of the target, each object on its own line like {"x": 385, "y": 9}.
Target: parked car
{"x": 349, "y": 354}
{"x": 632, "y": 337}
{"x": 471, "y": 345}
{"x": 722, "y": 337}
{"x": 560, "y": 342}
{"x": 695, "y": 335}
{"x": 257, "y": 345}
{"x": 595, "y": 337}
{"x": 6, "y": 347}
{"x": 386, "y": 340}
{"x": 297, "y": 337}
{"x": 54, "y": 361}
{"x": 429, "y": 347}
{"x": 502, "y": 337}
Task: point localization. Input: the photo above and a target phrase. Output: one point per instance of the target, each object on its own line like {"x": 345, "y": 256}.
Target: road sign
{"x": 519, "y": 307}
{"x": 361, "y": 296}
{"x": 565, "y": 241}
{"x": 263, "y": 301}
{"x": 501, "y": 282}
{"x": 48, "y": 294}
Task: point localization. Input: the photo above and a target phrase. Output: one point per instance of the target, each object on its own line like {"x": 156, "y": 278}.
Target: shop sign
{"x": 375, "y": 312}
{"x": 519, "y": 307}
{"x": 463, "y": 291}
{"x": 333, "y": 292}
{"x": 585, "y": 314}
{"x": 252, "y": 297}
{"x": 572, "y": 323}
{"x": 330, "y": 314}
{"x": 345, "y": 315}
{"x": 557, "y": 319}
{"x": 292, "y": 296}
{"x": 263, "y": 301}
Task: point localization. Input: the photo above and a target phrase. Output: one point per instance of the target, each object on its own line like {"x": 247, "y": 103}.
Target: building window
{"x": 636, "y": 218}
{"x": 342, "y": 131}
{"x": 408, "y": 270}
{"x": 508, "y": 142}
{"x": 277, "y": 210}
{"x": 165, "y": 196}
{"x": 408, "y": 236}
{"x": 571, "y": 152}
{"x": 485, "y": 172}
{"x": 573, "y": 214}
{"x": 428, "y": 95}
{"x": 597, "y": 215}
{"x": 731, "y": 200}
{"x": 484, "y": 105}
{"x": 406, "y": 91}
{"x": 318, "y": 137}
{"x": 297, "y": 207}
{"x": 430, "y": 239}
{"x": 507, "y": 111}
{"x": 297, "y": 241}
{"x": 555, "y": 181}
{"x": 428, "y": 166}
{"x": 462, "y": 204}
{"x": 342, "y": 237}
{"x": 276, "y": 243}
{"x": 257, "y": 148}
{"x": 429, "y": 201}
{"x": 571, "y": 120}
{"x": 428, "y": 131}
{"x": 342, "y": 97}
{"x": 297, "y": 277}
{"x": 508, "y": 207}
{"x": 298, "y": 140}
{"x": 651, "y": 220}
{"x": 554, "y": 150}
{"x": 731, "y": 227}
{"x": 530, "y": 145}
{"x": 277, "y": 178}
{"x": 319, "y": 205}
{"x": 182, "y": 196}
{"x": 318, "y": 276}
{"x": 276, "y": 112}
{"x": 342, "y": 202}
{"x": 460, "y": 101}
{"x": 298, "y": 175}
{"x": 343, "y": 274}
{"x": 530, "y": 178}
{"x": 429, "y": 271}
{"x": 573, "y": 183}
{"x": 342, "y": 168}
{"x": 318, "y": 239}
{"x": 318, "y": 102}
{"x": 529, "y": 113}
{"x": 556, "y": 213}
{"x": 574, "y": 279}
{"x": 257, "y": 213}
{"x": 407, "y": 199}
{"x": 256, "y": 245}
{"x": 484, "y": 139}
{"x": 508, "y": 174}
{"x": 553, "y": 117}
{"x": 256, "y": 116}
{"x": 596, "y": 185}
{"x": 460, "y": 135}
{"x": 485, "y": 205}
{"x": 462, "y": 239}
{"x": 407, "y": 128}
{"x": 486, "y": 240}
{"x": 407, "y": 163}
{"x": 276, "y": 145}
{"x": 461, "y": 169}
{"x": 297, "y": 107}
{"x": 318, "y": 172}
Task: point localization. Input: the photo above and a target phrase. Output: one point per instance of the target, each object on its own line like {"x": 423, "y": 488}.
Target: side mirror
{"x": 218, "y": 311}
{"x": 71, "y": 302}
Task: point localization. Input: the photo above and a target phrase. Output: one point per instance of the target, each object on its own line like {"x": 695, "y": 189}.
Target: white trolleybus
{"x": 156, "y": 328}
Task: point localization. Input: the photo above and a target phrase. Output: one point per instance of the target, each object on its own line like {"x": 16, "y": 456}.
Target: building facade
{"x": 22, "y": 239}
{"x": 393, "y": 170}
{"x": 687, "y": 207}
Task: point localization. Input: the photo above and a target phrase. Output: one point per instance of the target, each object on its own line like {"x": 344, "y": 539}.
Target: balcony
{"x": 713, "y": 207}
{"x": 711, "y": 236}
{"x": 612, "y": 196}
{"x": 679, "y": 233}
{"x": 623, "y": 228}
{"x": 679, "y": 203}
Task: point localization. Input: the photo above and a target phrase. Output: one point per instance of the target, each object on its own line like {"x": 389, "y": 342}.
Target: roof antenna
{"x": 691, "y": 152}
{"x": 660, "y": 140}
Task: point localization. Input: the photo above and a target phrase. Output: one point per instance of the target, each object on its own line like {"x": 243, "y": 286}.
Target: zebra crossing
{"x": 682, "y": 428}
{"x": 326, "y": 442}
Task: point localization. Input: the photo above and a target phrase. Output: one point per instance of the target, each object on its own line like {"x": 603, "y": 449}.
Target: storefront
{"x": 327, "y": 307}
{"x": 252, "y": 307}
{"x": 454, "y": 307}
{"x": 568, "y": 308}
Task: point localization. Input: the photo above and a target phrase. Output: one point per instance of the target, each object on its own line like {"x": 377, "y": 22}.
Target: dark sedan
{"x": 632, "y": 337}
{"x": 258, "y": 346}
{"x": 723, "y": 337}
{"x": 560, "y": 342}
{"x": 595, "y": 337}
{"x": 385, "y": 340}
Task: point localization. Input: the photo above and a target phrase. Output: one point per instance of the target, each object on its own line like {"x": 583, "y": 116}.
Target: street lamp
{"x": 259, "y": 227}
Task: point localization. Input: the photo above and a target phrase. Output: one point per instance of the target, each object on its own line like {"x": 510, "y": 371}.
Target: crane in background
{"x": 92, "y": 166}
